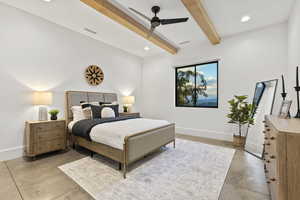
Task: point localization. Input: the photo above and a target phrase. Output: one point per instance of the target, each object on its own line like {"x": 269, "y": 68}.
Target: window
{"x": 197, "y": 85}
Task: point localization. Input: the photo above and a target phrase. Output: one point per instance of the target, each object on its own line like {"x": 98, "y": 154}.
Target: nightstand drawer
{"x": 130, "y": 114}
{"x": 43, "y": 127}
{"x": 51, "y": 145}
{"x": 49, "y": 135}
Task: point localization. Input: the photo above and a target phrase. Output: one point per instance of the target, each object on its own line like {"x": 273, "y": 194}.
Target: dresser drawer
{"x": 49, "y": 135}
{"x": 271, "y": 142}
{"x": 272, "y": 178}
{"x": 51, "y": 145}
{"x": 273, "y": 189}
{"x": 271, "y": 165}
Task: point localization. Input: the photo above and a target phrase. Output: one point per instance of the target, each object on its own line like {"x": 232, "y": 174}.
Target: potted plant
{"x": 241, "y": 113}
{"x": 53, "y": 113}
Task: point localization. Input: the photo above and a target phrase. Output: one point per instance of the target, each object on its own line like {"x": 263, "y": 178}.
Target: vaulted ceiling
{"x": 225, "y": 15}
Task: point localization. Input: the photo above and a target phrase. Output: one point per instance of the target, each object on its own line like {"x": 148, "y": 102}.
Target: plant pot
{"x": 239, "y": 141}
{"x": 53, "y": 117}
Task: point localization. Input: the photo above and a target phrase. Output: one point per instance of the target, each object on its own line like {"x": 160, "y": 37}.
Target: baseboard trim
{"x": 204, "y": 133}
{"x": 11, "y": 153}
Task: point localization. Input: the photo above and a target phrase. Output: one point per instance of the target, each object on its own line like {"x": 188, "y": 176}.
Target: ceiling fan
{"x": 156, "y": 21}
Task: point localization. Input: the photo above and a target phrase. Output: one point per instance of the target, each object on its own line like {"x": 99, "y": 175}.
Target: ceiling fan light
{"x": 146, "y": 48}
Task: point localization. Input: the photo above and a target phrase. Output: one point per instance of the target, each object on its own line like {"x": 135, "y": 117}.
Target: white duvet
{"x": 113, "y": 133}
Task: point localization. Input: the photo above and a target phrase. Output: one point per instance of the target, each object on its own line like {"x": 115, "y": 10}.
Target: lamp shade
{"x": 128, "y": 100}
{"x": 42, "y": 98}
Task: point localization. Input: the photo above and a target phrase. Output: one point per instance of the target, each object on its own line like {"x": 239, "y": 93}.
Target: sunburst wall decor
{"x": 94, "y": 75}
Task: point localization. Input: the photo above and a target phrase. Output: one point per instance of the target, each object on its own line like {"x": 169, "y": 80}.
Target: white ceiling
{"x": 225, "y": 14}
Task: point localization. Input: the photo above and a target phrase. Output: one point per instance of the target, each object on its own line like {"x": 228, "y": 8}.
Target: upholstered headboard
{"x": 73, "y": 98}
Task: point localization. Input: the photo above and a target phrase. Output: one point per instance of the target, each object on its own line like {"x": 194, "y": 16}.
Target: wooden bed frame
{"x": 135, "y": 146}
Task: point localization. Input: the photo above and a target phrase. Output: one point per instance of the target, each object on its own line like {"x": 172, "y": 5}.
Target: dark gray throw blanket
{"x": 83, "y": 128}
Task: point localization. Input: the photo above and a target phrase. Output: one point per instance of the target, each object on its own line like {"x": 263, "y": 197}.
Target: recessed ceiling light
{"x": 146, "y": 48}
{"x": 245, "y": 18}
{"x": 47, "y": 0}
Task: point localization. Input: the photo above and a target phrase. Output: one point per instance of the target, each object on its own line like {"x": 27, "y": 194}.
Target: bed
{"x": 135, "y": 145}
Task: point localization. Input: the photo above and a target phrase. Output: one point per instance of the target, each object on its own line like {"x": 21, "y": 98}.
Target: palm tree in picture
{"x": 184, "y": 86}
{"x": 201, "y": 87}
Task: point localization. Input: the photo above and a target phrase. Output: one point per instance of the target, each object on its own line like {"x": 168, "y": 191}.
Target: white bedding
{"x": 113, "y": 133}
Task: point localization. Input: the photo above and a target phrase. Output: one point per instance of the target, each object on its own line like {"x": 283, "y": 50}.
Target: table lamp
{"x": 42, "y": 99}
{"x": 127, "y": 102}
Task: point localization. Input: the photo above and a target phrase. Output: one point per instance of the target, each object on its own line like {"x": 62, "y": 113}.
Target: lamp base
{"x": 43, "y": 113}
{"x": 125, "y": 109}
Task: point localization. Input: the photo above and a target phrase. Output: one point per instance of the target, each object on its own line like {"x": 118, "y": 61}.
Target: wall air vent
{"x": 90, "y": 31}
{"x": 184, "y": 42}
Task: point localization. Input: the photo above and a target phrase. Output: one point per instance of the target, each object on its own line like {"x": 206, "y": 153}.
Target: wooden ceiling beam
{"x": 197, "y": 10}
{"x": 116, "y": 14}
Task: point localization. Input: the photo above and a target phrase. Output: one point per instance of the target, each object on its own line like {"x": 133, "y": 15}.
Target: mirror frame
{"x": 272, "y": 106}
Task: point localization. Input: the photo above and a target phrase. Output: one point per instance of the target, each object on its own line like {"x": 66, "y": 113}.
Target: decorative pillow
{"x": 108, "y": 103}
{"x": 86, "y": 108}
{"x": 77, "y": 113}
{"x": 107, "y": 112}
{"x": 97, "y": 111}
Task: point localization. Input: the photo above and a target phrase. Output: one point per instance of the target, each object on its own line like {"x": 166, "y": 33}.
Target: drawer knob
{"x": 266, "y": 171}
{"x": 272, "y": 138}
{"x": 266, "y": 138}
{"x": 269, "y": 182}
{"x": 268, "y": 161}
{"x": 268, "y": 144}
{"x": 264, "y": 132}
{"x": 264, "y": 121}
{"x": 266, "y": 126}
{"x": 272, "y": 157}
{"x": 273, "y": 179}
{"x": 266, "y": 153}
{"x": 268, "y": 129}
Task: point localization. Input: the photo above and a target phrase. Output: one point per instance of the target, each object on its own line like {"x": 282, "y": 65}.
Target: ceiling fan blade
{"x": 173, "y": 21}
{"x": 151, "y": 32}
{"x": 140, "y": 14}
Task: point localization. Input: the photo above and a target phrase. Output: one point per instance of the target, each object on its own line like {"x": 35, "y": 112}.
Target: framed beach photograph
{"x": 197, "y": 85}
{"x": 285, "y": 109}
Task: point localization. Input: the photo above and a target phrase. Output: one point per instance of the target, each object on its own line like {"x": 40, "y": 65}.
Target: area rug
{"x": 192, "y": 171}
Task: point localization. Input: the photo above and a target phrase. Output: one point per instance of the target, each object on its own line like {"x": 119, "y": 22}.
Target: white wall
{"x": 244, "y": 60}
{"x": 293, "y": 52}
{"x": 38, "y": 55}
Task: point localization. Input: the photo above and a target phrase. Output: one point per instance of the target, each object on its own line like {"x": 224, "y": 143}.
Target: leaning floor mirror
{"x": 263, "y": 100}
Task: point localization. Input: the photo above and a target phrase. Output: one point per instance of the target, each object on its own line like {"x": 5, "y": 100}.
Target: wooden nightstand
{"x": 130, "y": 114}
{"x": 44, "y": 136}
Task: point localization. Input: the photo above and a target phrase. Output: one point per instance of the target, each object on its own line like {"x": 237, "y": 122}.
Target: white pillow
{"x": 77, "y": 113}
{"x": 107, "y": 112}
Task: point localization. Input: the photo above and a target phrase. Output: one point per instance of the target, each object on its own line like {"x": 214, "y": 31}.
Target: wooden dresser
{"x": 44, "y": 136}
{"x": 282, "y": 157}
